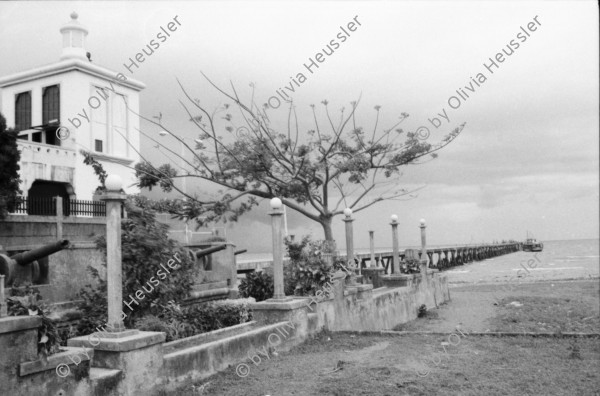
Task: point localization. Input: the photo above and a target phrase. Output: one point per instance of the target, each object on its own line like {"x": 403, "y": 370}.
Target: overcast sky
{"x": 527, "y": 159}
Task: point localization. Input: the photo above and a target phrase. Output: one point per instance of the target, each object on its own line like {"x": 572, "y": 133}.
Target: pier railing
{"x": 394, "y": 264}
{"x": 441, "y": 258}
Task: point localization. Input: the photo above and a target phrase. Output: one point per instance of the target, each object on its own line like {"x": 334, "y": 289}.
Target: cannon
{"x": 26, "y": 263}
{"x": 240, "y": 252}
{"x": 210, "y": 250}
{"x": 194, "y": 255}
{"x": 200, "y": 256}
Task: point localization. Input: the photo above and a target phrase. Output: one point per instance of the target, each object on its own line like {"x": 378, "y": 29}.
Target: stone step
{"x": 100, "y": 376}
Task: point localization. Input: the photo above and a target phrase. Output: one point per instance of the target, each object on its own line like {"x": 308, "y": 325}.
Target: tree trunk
{"x": 326, "y": 224}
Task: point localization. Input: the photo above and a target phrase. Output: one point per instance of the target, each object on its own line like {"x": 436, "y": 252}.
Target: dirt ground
{"x": 462, "y": 364}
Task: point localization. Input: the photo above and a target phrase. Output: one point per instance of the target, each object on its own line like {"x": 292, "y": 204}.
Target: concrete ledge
{"x": 139, "y": 340}
{"x": 192, "y": 364}
{"x": 350, "y": 290}
{"x": 294, "y": 303}
{"x": 11, "y": 324}
{"x": 67, "y": 357}
{"x": 204, "y": 338}
{"x": 395, "y": 280}
{"x": 209, "y": 293}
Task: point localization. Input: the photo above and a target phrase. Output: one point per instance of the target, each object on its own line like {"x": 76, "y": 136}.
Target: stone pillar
{"x": 349, "y": 237}
{"x": 395, "y": 251}
{"x": 424, "y": 257}
{"x": 3, "y": 305}
{"x": 276, "y": 223}
{"x": 372, "y": 248}
{"x": 114, "y": 198}
{"x": 59, "y": 217}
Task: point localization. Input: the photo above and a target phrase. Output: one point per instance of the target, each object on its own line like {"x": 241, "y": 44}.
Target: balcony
{"x": 40, "y": 161}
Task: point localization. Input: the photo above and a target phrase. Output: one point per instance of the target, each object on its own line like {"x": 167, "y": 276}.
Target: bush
{"x": 26, "y": 301}
{"x": 307, "y": 271}
{"x": 410, "y": 266}
{"x": 257, "y": 284}
{"x": 145, "y": 245}
{"x": 179, "y": 322}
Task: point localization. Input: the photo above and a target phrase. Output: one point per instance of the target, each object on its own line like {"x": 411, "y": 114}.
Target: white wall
{"x": 76, "y": 89}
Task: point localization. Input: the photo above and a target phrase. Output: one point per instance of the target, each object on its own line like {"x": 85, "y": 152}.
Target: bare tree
{"x": 336, "y": 164}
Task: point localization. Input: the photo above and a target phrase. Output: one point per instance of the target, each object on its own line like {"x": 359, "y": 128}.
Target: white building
{"x": 70, "y": 105}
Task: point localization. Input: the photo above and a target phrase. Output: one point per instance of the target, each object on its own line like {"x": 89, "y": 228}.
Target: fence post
{"x": 395, "y": 252}
{"x": 3, "y": 306}
{"x": 349, "y": 237}
{"x": 114, "y": 199}
{"x": 276, "y": 222}
{"x": 372, "y": 248}
{"x": 59, "y": 217}
{"x": 424, "y": 257}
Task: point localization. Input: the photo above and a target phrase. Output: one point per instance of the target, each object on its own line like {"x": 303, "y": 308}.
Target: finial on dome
{"x": 74, "y": 34}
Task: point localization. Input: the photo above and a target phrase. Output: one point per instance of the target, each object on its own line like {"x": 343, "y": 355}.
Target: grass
{"x": 390, "y": 365}
{"x": 337, "y": 364}
{"x": 551, "y": 307}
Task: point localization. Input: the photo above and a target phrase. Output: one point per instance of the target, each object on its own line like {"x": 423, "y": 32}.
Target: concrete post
{"x": 3, "y": 305}
{"x": 59, "y": 217}
{"x": 395, "y": 251}
{"x": 349, "y": 237}
{"x": 372, "y": 248}
{"x": 276, "y": 224}
{"x": 424, "y": 257}
{"x": 114, "y": 199}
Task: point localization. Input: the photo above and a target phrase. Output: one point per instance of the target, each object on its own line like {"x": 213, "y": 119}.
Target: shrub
{"x": 179, "y": 322}
{"x": 307, "y": 271}
{"x": 145, "y": 245}
{"x": 26, "y": 301}
{"x": 257, "y": 284}
{"x": 410, "y": 266}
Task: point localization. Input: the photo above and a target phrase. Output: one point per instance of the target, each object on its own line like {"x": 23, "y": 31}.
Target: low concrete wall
{"x": 23, "y": 373}
{"x": 384, "y": 308}
{"x": 183, "y": 367}
{"x": 142, "y": 364}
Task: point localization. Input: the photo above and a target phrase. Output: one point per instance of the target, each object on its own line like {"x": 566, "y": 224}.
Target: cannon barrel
{"x": 36, "y": 254}
{"x": 240, "y": 252}
{"x": 206, "y": 252}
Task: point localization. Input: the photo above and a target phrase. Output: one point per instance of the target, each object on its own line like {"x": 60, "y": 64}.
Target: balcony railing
{"x": 46, "y": 206}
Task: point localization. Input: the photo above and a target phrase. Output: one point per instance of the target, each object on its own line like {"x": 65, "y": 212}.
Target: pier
{"x": 440, "y": 258}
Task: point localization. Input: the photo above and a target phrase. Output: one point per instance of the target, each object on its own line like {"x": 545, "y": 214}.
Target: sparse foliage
{"x": 316, "y": 171}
